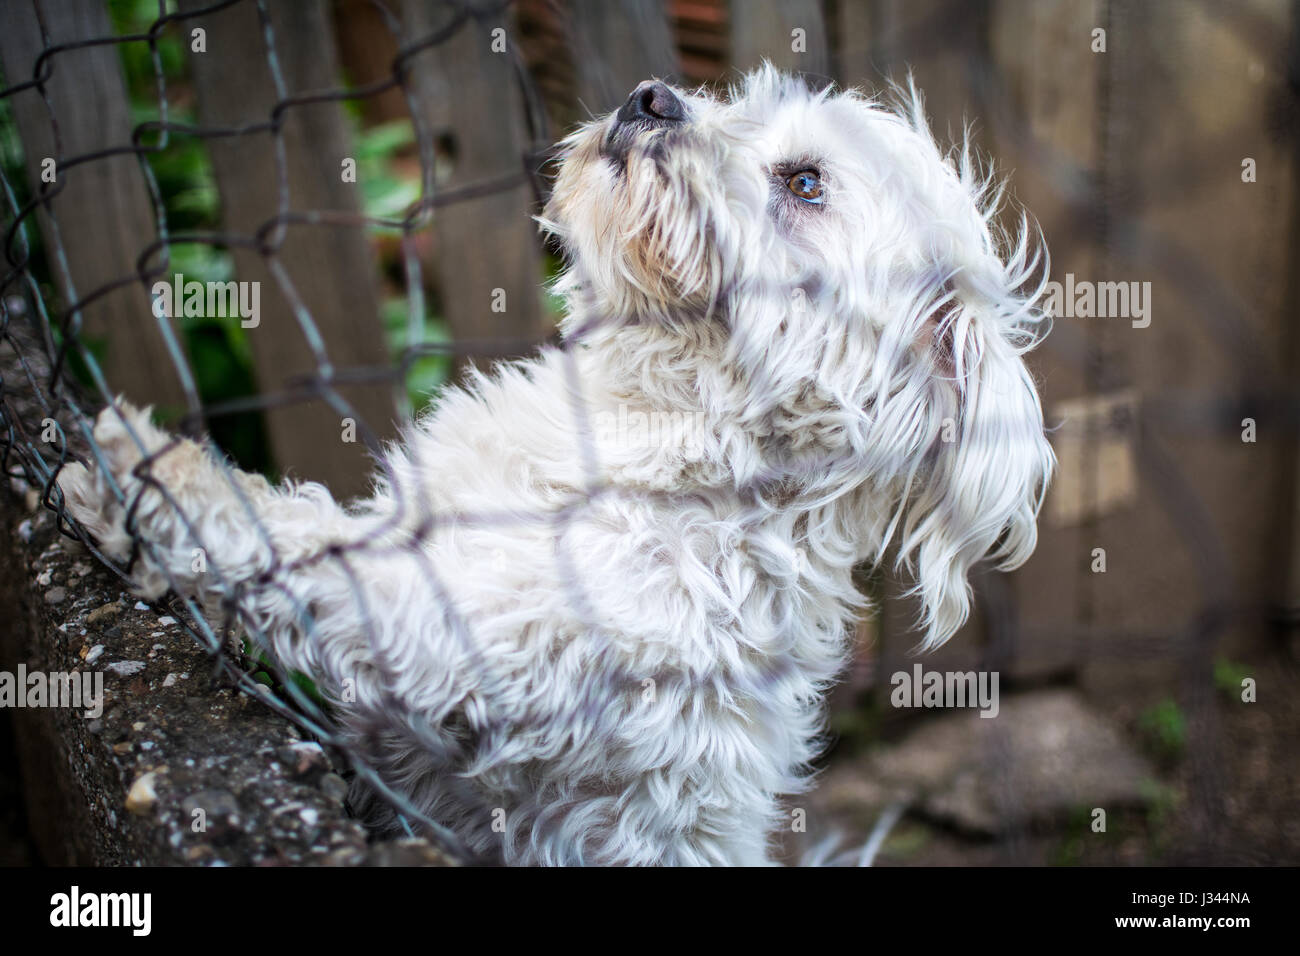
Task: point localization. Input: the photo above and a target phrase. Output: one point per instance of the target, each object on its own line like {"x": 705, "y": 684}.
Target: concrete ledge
{"x": 177, "y": 769}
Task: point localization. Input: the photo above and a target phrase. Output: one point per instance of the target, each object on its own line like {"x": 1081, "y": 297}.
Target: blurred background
{"x": 1147, "y": 655}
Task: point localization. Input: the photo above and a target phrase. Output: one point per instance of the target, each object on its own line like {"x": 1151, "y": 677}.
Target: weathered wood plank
{"x": 790, "y": 33}
{"x": 102, "y": 218}
{"x": 941, "y": 43}
{"x": 1023, "y": 73}
{"x": 617, "y": 44}
{"x": 1180, "y": 215}
{"x": 1044, "y": 113}
{"x": 331, "y": 268}
{"x": 488, "y": 255}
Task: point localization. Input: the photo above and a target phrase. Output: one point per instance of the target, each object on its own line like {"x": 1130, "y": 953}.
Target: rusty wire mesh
{"x": 41, "y": 342}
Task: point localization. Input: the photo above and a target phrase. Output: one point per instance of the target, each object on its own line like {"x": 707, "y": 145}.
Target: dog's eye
{"x": 807, "y": 185}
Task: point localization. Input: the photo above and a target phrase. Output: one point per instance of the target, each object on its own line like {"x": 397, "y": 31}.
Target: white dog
{"x": 590, "y": 612}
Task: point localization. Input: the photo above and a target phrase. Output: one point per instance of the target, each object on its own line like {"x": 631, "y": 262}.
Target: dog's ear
{"x": 978, "y": 490}
{"x": 939, "y": 332}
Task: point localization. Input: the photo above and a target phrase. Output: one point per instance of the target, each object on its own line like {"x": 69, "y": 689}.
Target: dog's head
{"x": 865, "y": 317}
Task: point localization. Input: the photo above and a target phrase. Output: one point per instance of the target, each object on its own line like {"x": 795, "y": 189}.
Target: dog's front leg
{"x": 222, "y": 536}
{"x": 298, "y": 571}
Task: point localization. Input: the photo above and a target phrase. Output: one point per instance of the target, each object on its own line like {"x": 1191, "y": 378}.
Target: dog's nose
{"x": 652, "y": 102}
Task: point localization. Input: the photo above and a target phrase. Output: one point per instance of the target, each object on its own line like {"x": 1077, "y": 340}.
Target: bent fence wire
{"x": 45, "y": 396}
{"x": 38, "y": 391}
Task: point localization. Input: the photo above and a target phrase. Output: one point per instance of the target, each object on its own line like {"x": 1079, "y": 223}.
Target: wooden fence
{"x": 1153, "y": 141}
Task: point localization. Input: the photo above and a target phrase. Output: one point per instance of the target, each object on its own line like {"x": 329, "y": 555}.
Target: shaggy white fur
{"x": 597, "y": 596}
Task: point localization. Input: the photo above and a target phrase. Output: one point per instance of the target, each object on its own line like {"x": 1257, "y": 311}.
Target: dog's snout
{"x": 652, "y": 102}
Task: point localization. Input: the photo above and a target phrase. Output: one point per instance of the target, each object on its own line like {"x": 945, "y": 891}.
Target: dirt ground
{"x": 1235, "y": 803}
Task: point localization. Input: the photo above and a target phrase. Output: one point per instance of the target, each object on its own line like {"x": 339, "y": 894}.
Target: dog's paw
{"x": 130, "y": 451}
{"x": 138, "y": 452}
{"x": 126, "y": 436}
{"x": 88, "y": 500}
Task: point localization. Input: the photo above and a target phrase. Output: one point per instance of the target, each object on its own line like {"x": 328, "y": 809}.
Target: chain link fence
{"x": 54, "y": 382}
{"x": 54, "y": 325}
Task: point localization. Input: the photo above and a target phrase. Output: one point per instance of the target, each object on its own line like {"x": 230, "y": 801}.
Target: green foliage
{"x": 387, "y": 189}
{"x": 15, "y": 175}
{"x": 388, "y": 177}
{"x": 1164, "y": 729}
{"x": 1075, "y": 842}
{"x": 855, "y": 726}
{"x": 1228, "y": 677}
{"x": 11, "y": 148}
{"x": 425, "y": 374}
{"x": 183, "y": 171}
{"x": 905, "y": 841}
{"x": 552, "y": 264}
{"x": 1162, "y": 802}
{"x": 133, "y": 18}
{"x": 262, "y": 670}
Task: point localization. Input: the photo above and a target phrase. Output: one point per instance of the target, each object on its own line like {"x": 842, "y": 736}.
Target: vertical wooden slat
{"x": 1185, "y": 221}
{"x": 1123, "y": 197}
{"x": 488, "y": 256}
{"x": 1181, "y": 217}
{"x": 941, "y": 43}
{"x": 1287, "y": 540}
{"x": 366, "y": 51}
{"x": 617, "y": 44}
{"x": 331, "y": 268}
{"x": 764, "y": 29}
{"x": 103, "y": 217}
{"x": 1046, "y": 121}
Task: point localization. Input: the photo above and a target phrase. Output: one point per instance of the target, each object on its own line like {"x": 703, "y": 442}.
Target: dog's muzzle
{"x": 651, "y": 106}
